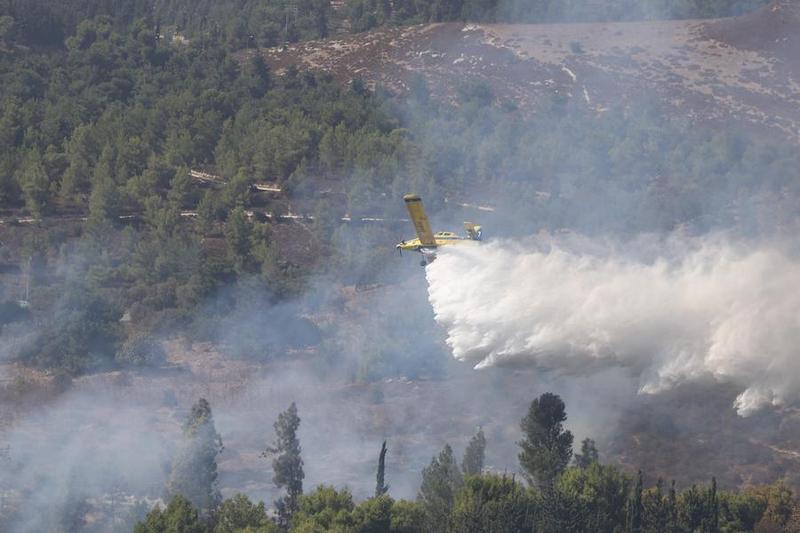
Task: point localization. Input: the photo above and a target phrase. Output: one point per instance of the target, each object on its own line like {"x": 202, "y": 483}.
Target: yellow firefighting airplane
{"x": 427, "y": 242}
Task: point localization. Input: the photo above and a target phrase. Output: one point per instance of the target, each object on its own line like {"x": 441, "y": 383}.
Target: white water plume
{"x": 713, "y": 310}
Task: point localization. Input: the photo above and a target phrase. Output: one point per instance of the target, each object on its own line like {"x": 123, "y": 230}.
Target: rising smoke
{"x": 698, "y": 309}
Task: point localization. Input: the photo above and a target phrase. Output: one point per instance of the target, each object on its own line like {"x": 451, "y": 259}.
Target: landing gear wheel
{"x": 423, "y": 263}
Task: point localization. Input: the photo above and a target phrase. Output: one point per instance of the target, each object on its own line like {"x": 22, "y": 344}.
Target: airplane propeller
{"x": 399, "y": 241}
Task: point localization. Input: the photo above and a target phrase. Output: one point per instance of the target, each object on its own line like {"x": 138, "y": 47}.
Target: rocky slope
{"x": 734, "y": 72}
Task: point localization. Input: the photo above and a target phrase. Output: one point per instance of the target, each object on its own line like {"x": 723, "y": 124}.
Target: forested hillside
{"x": 235, "y": 23}
{"x": 249, "y": 23}
{"x": 110, "y": 126}
{"x": 162, "y": 185}
{"x": 366, "y": 14}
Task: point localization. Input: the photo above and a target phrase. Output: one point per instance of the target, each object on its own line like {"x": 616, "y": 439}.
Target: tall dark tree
{"x": 472, "y": 463}
{"x": 634, "y": 514}
{"x": 77, "y": 176}
{"x": 35, "y": 183}
{"x": 103, "y": 203}
{"x": 655, "y": 509}
{"x": 255, "y": 77}
{"x": 588, "y": 454}
{"x": 692, "y": 509}
{"x": 711, "y": 521}
{"x": 672, "y": 510}
{"x": 381, "y": 487}
{"x": 441, "y": 480}
{"x": 194, "y": 470}
{"x": 237, "y": 236}
{"x": 547, "y": 447}
{"x": 287, "y": 463}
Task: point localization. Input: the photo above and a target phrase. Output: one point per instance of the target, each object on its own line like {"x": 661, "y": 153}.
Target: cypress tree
{"x": 381, "y": 487}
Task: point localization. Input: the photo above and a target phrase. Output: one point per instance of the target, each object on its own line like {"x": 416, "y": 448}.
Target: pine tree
{"x": 79, "y": 160}
{"x": 237, "y": 237}
{"x": 588, "y": 454}
{"x": 561, "y": 511}
{"x": 207, "y": 212}
{"x": 35, "y": 183}
{"x": 634, "y": 514}
{"x": 547, "y": 447}
{"x": 255, "y": 77}
{"x": 672, "y": 510}
{"x": 104, "y": 170}
{"x": 493, "y": 503}
{"x": 179, "y": 515}
{"x": 654, "y": 509}
{"x": 711, "y": 520}
{"x": 194, "y": 470}
{"x": 103, "y": 205}
{"x": 472, "y": 463}
{"x": 104, "y": 197}
{"x": 75, "y": 178}
{"x": 692, "y": 509}
{"x": 179, "y": 187}
{"x": 441, "y": 480}
{"x": 381, "y": 487}
{"x": 239, "y": 514}
{"x": 287, "y": 464}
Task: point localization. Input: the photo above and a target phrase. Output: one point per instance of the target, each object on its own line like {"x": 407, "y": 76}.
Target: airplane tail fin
{"x": 473, "y": 230}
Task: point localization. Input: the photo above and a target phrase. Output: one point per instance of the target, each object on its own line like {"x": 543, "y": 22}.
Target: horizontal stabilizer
{"x": 473, "y": 230}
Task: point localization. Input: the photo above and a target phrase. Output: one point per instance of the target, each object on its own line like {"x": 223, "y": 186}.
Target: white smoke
{"x": 713, "y": 310}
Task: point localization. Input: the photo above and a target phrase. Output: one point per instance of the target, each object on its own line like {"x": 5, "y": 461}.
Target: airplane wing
{"x": 419, "y": 219}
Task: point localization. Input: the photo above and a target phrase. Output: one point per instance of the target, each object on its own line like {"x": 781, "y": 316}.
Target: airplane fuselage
{"x": 442, "y": 238}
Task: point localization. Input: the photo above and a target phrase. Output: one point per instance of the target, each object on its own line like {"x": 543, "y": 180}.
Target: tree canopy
{"x": 194, "y": 469}
{"x": 547, "y": 446}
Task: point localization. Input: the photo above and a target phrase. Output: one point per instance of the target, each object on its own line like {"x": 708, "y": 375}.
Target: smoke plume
{"x": 694, "y": 309}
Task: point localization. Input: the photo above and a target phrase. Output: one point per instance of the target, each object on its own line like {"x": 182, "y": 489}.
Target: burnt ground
{"x": 771, "y": 31}
{"x": 733, "y": 72}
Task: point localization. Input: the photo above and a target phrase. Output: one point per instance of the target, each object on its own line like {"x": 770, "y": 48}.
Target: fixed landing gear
{"x": 423, "y": 263}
